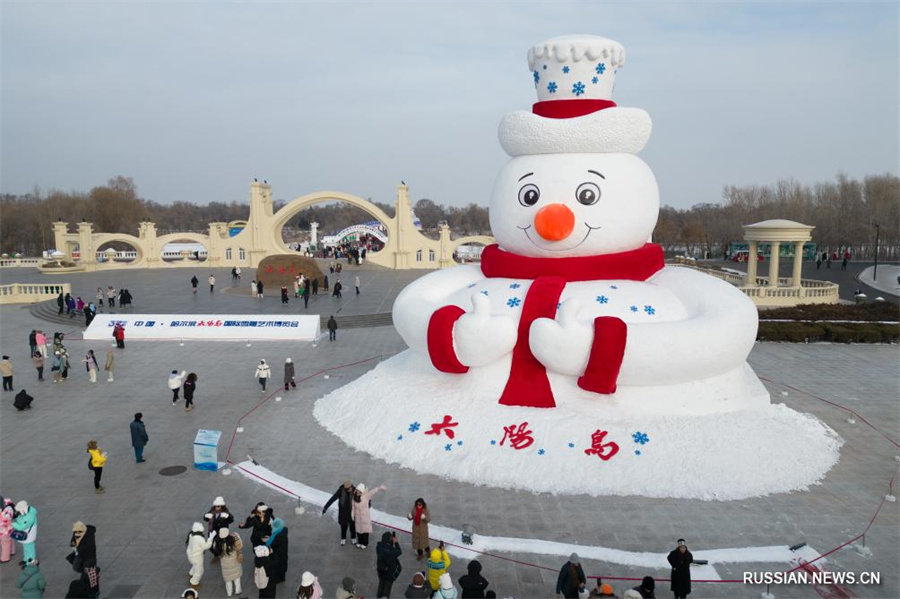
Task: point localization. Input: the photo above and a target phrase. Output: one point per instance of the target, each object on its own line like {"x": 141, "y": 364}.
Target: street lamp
{"x": 875, "y": 272}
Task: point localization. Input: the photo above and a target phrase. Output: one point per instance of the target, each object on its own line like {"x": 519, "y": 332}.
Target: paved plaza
{"x": 143, "y": 518}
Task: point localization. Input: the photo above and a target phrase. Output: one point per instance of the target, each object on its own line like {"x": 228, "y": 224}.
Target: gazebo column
{"x": 798, "y": 264}
{"x": 751, "y": 263}
{"x": 773, "y": 263}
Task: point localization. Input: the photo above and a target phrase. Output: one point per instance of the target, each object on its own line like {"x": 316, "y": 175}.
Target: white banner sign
{"x": 206, "y": 326}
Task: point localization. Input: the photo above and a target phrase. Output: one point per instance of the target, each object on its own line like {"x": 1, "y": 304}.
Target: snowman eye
{"x": 587, "y": 194}
{"x": 529, "y": 195}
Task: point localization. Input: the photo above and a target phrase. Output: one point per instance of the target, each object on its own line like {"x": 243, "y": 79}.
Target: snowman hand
{"x": 480, "y": 337}
{"x": 562, "y": 345}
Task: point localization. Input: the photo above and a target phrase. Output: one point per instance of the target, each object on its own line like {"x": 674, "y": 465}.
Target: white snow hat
{"x": 446, "y": 583}
{"x": 288, "y": 360}
{"x": 197, "y": 527}
{"x": 219, "y": 501}
{"x": 192, "y": 592}
{"x": 261, "y": 551}
{"x": 574, "y": 76}
{"x": 307, "y": 579}
{"x": 224, "y": 532}
{"x": 22, "y": 507}
{"x": 361, "y": 487}
{"x": 262, "y": 507}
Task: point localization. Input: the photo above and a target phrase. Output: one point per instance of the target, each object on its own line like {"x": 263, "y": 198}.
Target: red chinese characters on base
{"x": 445, "y": 426}
{"x": 602, "y": 450}
{"x": 519, "y": 438}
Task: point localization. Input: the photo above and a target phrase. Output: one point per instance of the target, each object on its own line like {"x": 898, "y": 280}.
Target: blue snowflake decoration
{"x": 545, "y": 67}
{"x": 448, "y": 447}
{"x": 493, "y": 441}
{"x": 637, "y": 452}
{"x": 601, "y": 68}
{"x": 399, "y": 437}
{"x": 634, "y": 308}
{"x": 513, "y": 302}
{"x": 551, "y": 87}
{"x": 541, "y": 452}
{"x": 578, "y": 88}
{"x": 649, "y": 310}
{"x": 470, "y": 285}
{"x": 459, "y": 442}
{"x": 641, "y": 438}
{"x": 595, "y": 79}
{"x": 413, "y": 427}
{"x": 571, "y": 446}
{"x": 602, "y": 299}
{"x": 565, "y": 69}
{"x": 613, "y": 286}
{"x": 537, "y": 77}
{"x": 514, "y": 286}
{"x": 484, "y": 292}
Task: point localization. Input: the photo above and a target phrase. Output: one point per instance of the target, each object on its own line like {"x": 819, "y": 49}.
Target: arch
{"x": 163, "y": 241}
{"x": 359, "y": 229}
{"x": 484, "y": 240}
{"x": 101, "y": 239}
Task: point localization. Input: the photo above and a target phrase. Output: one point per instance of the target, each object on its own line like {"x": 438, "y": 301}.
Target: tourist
{"x": 361, "y": 512}
{"x": 681, "y": 559}
{"x": 473, "y": 584}
{"x": 346, "y": 590}
{"x": 41, "y": 340}
{"x": 22, "y": 401}
{"x": 56, "y": 364}
{"x": 218, "y": 516}
{"x": 253, "y": 288}
{"x": 277, "y": 542}
{"x": 32, "y": 342}
{"x": 99, "y": 296}
{"x": 26, "y": 522}
{"x": 110, "y": 364}
{"x": 111, "y": 296}
{"x": 31, "y": 581}
{"x": 190, "y": 385}
{"x": 194, "y": 282}
{"x": 844, "y": 263}
{"x": 571, "y": 578}
{"x": 196, "y": 544}
{"x": 306, "y": 294}
{"x": 315, "y": 286}
{"x": 344, "y": 497}
{"x": 237, "y": 271}
{"x": 125, "y": 298}
{"x": 66, "y": 364}
{"x": 70, "y": 306}
{"x": 356, "y": 283}
{"x": 417, "y": 588}
{"x": 438, "y": 563}
{"x": 60, "y": 303}
{"x": 332, "y": 328}
{"x": 86, "y": 585}
{"x": 263, "y": 372}
{"x": 84, "y": 546}
{"x": 175, "y": 381}
{"x": 189, "y": 594}
{"x": 89, "y": 312}
{"x": 119, "y": 335}
{"x": 445, "y": 589}
{"x": 387, "y": 563}
{"x": 38, "y": 361}
{"x": 331, "y": 267}
{"x": 139, "y": 437}
{"x": 420, "y": 517}
{"x": 647, "y": 588}
{"x": 289, "y": 374}
{"x": 212, "y": 283}
{"x": 6, "y": 369}
{"x": 90, "y": 363}
{"x": 96, "y": 463}
{"x": 228, "y": 550}
{"x": 79, "y": 304}
{"x": 264, "y": 574}
{"x": 325, "y": 283}
{"x": 309, "y": 587}
{"x": 260, "y": 520}
{"x": 338, "y": 287}
{"x": 259, "y": 289}
{"x": 284, "y": 294}
{"x": 7, "y": 544}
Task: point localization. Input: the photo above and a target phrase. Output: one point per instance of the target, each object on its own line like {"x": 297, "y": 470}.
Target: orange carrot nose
{"x": 554, "y": 222}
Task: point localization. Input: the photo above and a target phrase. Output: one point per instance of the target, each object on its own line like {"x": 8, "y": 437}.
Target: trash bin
{"x": 206, "y": 450}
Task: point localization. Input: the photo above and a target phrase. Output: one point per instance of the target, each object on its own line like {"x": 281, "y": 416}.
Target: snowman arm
{"x": 716, "y": 337}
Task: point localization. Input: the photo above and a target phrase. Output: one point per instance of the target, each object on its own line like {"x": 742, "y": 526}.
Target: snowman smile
{"x": 590, "y": 229}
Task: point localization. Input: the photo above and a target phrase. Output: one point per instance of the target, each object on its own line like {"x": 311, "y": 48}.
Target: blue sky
{"x": 194, "y": 100}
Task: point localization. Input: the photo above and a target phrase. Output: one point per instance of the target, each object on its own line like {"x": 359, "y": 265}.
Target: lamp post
{"x": 875, "y": 271}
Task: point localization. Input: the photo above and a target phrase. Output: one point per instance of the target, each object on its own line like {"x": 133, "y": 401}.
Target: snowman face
{"x": 560, "y": 205}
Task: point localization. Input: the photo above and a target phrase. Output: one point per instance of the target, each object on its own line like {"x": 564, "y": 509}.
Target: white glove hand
{"x": 480, "y": 337}
{"x": 562, "y": 345}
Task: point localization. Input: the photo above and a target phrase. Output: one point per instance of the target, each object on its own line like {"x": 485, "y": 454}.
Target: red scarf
{"x": 636, "y": 265}
{"x": 418, "y": 516}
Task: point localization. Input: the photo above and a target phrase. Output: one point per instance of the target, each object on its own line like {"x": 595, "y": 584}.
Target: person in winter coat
{"x": 190, "y": 385}
{"x": 229, "y": 551}
{"x": 277, "y": 543}
{"x": 473, "y": 584}
{"x": 139, "y": 437}
{"x": 26, "y": 522}
{"x": 60, "y": 303}
{"x": 212, "y": 283}
{"x": 32, "y": 341}
{"x": 338, "y": 287}
{"x": 84, "y": 546}
{"x": 681, "y": 559}
{"x": 289, "y": 374}
{"x": 190, "y": 594}
{"x": 332, "y": 328}
{"x": 7, "y": 545}
{"x": 446, "y": 590}
{"x": 264, "y": 561}
{"x": 196, "y": 543}
{"x": 110, "y": 364}
{"x": 361, "y": 513}
{"x": 315, "y": 286}
{"x": 31, "y": 581}
{"x": 56, "y": 366}
{"x": 420, "y": 517}
{"x": 41, "y": 340}
{"x": 603, "y": 590}
{"x": 309, "y": 587}
{"x": 6, "y": 370}
{"x": 571, "y": 578}
{"x": 90, "y": 361}
{"x": 438, "y": 563}
{"x": 97, "y": 461}
{"x": 259, "y": 289}
{"x": 38, "y": 361}
{"x": 194, "y": 282}
{"x": 284, "y": 294}
{"x": 356, "y": 283}
{"x": 218, "y": 516}
{"x": 263, "y": 373}
{"x": 305, "y": 293}
{"x": 347, "y": 589}
{"x": 111, "y": 296}
{"x": 387, "y": 563}
{"x": 324, "y": 284}
{"x": 260, "y": 520}
{"x": 344, "y": 497}
{"x": 417, "y": 588}
{"x": 175, "y": 381}
{"x": 119, "y": 336}
{"x": 647, "y": 588}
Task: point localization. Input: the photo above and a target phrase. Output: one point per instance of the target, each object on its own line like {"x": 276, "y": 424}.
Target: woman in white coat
{"x": 197, "y": 543}
{"x": 263, "y": 372}
{"x": 361, "y": 512}
{"x": 227, "y": 546}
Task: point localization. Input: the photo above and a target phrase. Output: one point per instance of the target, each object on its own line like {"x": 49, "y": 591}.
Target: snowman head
{"x": 574, "y": 186}
{"x": 558, "y": 205}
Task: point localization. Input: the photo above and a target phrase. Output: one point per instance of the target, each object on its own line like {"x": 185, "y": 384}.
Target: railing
{"x": 810, "y": 291}
{"x": 21, "y": 293}
{"x": 21, "y": 262}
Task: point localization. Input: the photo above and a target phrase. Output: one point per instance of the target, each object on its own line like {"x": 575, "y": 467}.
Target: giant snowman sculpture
{"x": 572, "y": 359}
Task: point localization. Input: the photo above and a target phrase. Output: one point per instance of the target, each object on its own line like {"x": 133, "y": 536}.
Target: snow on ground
{"x": 887, "y": 278}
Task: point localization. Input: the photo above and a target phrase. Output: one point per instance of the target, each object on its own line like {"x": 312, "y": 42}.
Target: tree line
{"x": 844, "y": 213}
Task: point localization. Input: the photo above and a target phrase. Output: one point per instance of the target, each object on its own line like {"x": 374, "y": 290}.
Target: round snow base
{"x": 754, "y": 449}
